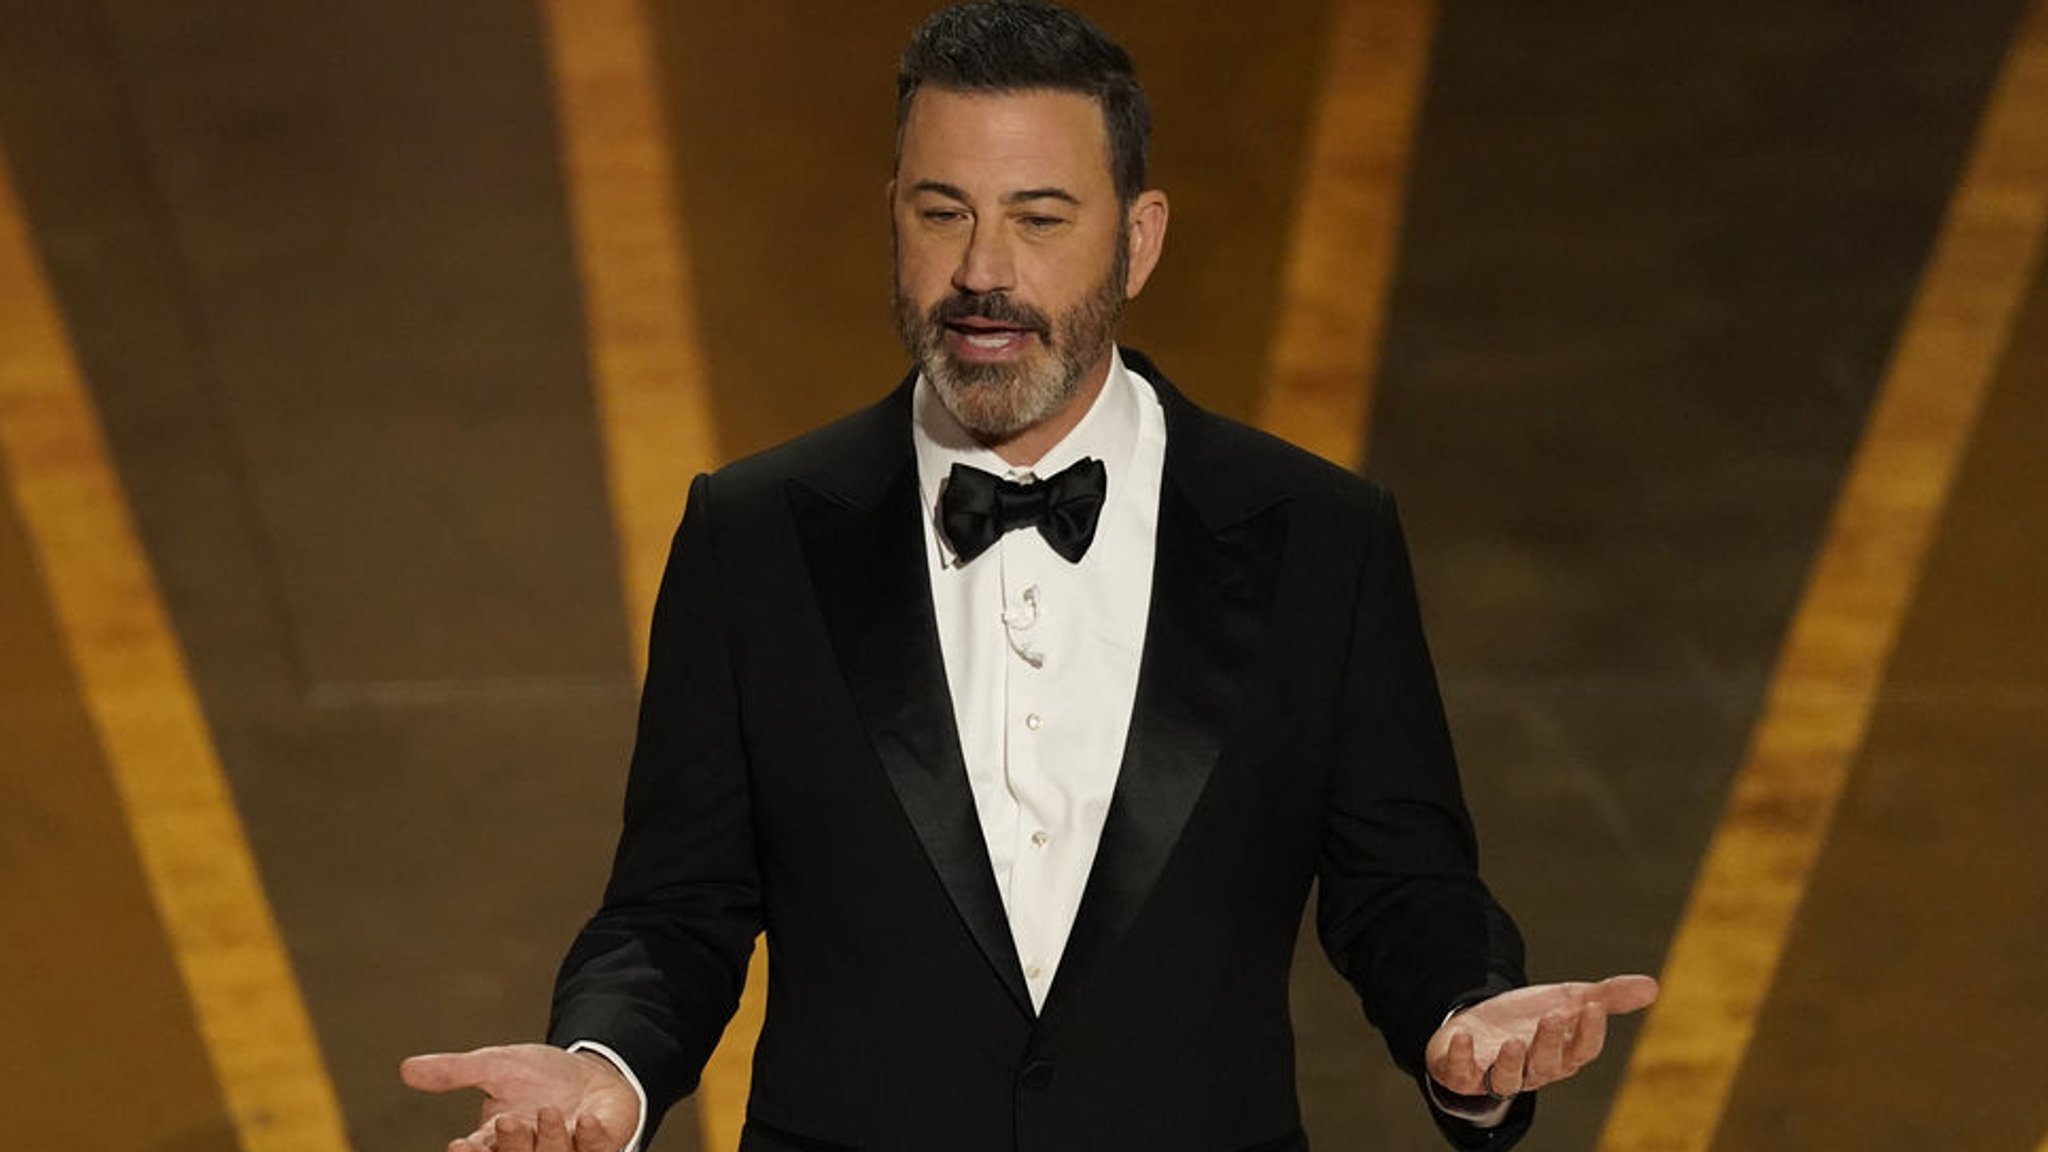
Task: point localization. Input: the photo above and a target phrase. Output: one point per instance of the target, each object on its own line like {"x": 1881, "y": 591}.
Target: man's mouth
{"x": 977, "y": 338}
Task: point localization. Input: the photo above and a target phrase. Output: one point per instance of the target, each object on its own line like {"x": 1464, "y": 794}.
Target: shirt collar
{"x": 1108, "y": 432}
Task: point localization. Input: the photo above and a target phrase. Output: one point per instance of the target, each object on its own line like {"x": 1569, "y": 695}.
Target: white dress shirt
{"x": 1042, "y": 655}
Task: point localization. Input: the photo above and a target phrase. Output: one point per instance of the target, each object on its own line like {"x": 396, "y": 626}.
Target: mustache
{"x": 996, "y": 307}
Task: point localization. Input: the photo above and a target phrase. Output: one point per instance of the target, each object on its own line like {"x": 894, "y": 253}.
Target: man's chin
{"x": 993, "y": 406}
{"x": 985, "y": 411}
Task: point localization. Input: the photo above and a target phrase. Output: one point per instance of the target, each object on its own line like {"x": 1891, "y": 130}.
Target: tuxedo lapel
{"x": 1217, "y": 554}
{"x": 1215, "y": 562}
{"x": 865, "y": 545}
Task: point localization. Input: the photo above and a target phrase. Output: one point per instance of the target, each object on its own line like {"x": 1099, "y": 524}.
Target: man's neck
{"x": 1030, "y": 445}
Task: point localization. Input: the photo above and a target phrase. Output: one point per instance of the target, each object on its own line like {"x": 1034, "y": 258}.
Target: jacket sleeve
{"x": 1400, "y": 908}
{"x": 657, "y": 972}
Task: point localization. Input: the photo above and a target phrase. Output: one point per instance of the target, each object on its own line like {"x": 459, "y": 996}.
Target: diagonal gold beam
{"x": 1319, "y": 373}
{"x": 1829, "y": 673}
{"x": 132, "y": 674}
{"x": 639, "y": 300}
{"x": 646, "y": 360}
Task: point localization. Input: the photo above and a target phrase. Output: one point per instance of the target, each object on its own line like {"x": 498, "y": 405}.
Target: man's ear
{"x": 1145, "y": 228}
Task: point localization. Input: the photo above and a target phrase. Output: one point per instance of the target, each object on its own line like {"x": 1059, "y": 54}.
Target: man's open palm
{"x": 540, "y": 1098}
{"x": 1521, "y": 1040}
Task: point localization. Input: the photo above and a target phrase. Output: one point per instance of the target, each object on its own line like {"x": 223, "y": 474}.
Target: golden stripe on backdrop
{"x": 1832, "y": 666}
{"x": 1318, "y": 386}
{"x": 647, "y": 364}
{"x": 132, "y": 675}
{"x": 639, "y": 301}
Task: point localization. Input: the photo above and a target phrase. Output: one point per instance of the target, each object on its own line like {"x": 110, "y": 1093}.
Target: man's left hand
{"x": 1521, "y": 1040}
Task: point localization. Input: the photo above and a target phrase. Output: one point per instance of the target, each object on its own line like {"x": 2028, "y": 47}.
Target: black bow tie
{"x": 977, "y": 507}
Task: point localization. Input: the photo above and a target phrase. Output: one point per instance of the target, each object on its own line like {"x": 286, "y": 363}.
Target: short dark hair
{"x": 1019, "y": 45}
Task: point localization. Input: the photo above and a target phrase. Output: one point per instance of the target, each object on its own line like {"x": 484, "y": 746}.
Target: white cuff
{"x": 616, "y": 1061}
{"x": 1489, "y": 1117}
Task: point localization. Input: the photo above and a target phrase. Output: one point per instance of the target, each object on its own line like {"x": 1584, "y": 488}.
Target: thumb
{"x": 443, "y": 1071}
{"x": 1624, "y": 994}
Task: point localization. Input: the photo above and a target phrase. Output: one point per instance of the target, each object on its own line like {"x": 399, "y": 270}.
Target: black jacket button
{"x": 1036, "y": 1074}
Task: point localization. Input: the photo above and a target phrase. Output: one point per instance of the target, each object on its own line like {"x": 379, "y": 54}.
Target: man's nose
{"x": 986, "y": 265}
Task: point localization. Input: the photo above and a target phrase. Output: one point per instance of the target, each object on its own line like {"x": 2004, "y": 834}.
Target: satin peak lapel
{"x": 867, "y": 564}
{"x": 1210, "y": 596}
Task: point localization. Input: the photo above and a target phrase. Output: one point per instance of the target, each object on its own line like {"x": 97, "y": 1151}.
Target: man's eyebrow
{"x": 1030, "y": 194}
{"x": 1023, "y": 196}
{"x": 946, "y": 190}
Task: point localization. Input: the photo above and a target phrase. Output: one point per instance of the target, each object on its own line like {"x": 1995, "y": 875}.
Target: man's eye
{"x": 944, "y": 215}
{"x": 1042, "y": 223}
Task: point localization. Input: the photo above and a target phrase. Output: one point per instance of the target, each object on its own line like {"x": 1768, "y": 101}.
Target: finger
{"x": 1620, "y": 995}
{"x": 550, "y": 1133}
{"x": 514, "y": 1135}
{"x": 591, "y": 1136}
{"x": 1509, "y": 1073}
{"x": 1546, "y": 1051}
{"x": 1458, "y": 1069}
{"x": 442, "y": 1071}
{"x": 484, "y": 1068}
{"x": 484, "y": 1139}
{"x": 1590, "y": 1039}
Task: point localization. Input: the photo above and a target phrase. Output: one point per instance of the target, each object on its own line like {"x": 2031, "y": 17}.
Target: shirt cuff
{"x": 1489, "y": 1116}
{"x": 617, "y": 1061}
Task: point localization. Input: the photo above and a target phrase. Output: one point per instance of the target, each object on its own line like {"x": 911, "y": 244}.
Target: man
{"x": 1020, "y": 710}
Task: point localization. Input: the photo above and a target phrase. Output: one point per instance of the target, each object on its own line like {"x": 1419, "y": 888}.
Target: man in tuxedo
{"x": 1020, "y": 710}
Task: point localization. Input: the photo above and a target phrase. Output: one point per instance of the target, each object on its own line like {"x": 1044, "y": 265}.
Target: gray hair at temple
{"x": 1022, "y": 45}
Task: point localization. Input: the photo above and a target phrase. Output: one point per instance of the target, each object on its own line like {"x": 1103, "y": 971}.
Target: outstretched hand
{"x": 540, "y": 1098}
{"x": 1521, "y": 1040}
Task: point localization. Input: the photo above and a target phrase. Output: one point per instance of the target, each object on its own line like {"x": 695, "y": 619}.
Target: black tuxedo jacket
{"x": 798, "y": 771}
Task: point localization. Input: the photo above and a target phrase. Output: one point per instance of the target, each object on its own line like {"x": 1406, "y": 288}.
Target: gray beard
{"x": 997, "y": 401}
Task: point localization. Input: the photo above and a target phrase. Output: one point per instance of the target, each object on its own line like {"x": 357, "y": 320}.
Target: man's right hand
{"x": 541, "y": 1098}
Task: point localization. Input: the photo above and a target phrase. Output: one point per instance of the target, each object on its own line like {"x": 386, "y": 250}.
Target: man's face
{"x": 1012, "y": 259}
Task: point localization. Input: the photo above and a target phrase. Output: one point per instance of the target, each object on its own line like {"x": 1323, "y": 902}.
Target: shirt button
{"x": 1032, "y": 721}
{"x": 1033, "y": 972}
{"x": 1040, "y": 839}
